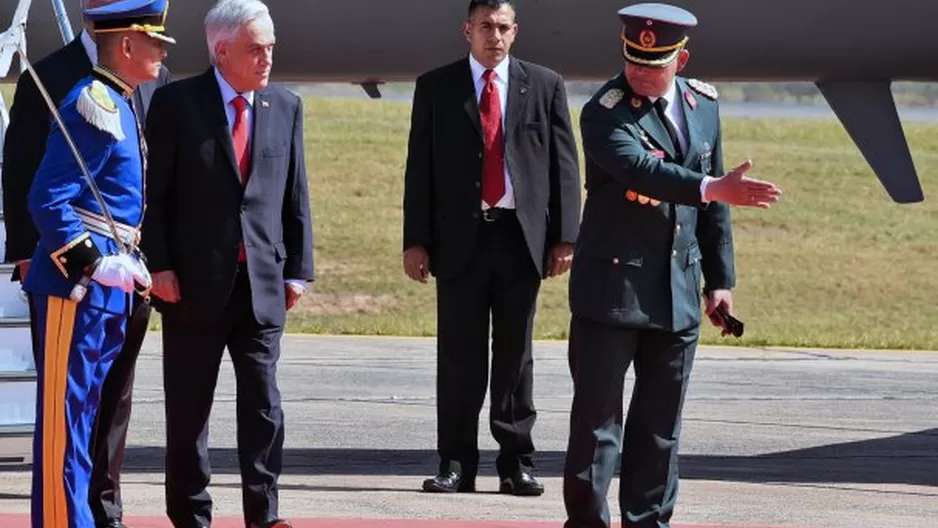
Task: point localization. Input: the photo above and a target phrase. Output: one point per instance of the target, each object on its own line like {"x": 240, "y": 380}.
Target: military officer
{"x": 655, "y": 218}
{"x": 81, "y": 276}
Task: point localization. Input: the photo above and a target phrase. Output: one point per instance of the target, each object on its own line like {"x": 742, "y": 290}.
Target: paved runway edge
{"x": 22, "y": 521}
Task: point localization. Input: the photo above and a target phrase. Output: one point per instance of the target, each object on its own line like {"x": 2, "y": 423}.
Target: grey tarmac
{"x": 786, "y": 437}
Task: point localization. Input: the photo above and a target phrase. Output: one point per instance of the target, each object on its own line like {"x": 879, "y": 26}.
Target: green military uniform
{"x": 645, "y": 242}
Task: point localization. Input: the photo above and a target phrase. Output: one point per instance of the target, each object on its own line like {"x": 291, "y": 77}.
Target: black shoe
{"x": 451, "y": 482}
{"x": 522, "y": 484}
{"x": 115, "y": 524}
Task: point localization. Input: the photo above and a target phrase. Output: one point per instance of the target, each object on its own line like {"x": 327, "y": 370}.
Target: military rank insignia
{"x": 611, "y": 98}
{"x": 96, "y": 106}
{"x": 707, "y": 90}
{"x": 691, "y": 100}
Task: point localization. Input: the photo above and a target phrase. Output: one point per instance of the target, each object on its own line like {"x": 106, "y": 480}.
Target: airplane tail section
{"x": 868, "y": 113}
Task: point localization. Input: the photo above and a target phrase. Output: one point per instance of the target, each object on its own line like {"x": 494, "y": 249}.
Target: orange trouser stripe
{"x": 60, "y": 324}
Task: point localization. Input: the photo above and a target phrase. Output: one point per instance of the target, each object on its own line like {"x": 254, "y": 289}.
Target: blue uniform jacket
{"x": 99, "y": 117}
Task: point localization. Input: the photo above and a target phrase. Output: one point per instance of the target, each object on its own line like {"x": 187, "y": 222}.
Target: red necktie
{"x": 493, "y": 166}
{"x": 239, "y": 136}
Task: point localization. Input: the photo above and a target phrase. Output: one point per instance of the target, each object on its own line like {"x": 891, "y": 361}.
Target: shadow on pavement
{"x": 910, "y": 459}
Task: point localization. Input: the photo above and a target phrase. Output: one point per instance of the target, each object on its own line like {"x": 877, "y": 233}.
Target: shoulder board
{"x": 611, "y": 98}
{"x": 99, "y": 109}
{"x": 707, "y": 90}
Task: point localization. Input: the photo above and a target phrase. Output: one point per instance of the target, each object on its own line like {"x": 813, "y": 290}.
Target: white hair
{"x": 226, "y": 18}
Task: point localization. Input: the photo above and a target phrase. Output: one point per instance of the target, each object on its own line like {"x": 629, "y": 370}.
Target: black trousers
{"x": 599, "y": 356}
{"x": 500, "y": 279}
{"x": 113, "y": 418}
{"x": 192, "y": 353}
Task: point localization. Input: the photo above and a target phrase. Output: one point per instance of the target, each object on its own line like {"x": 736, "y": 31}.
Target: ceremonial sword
{"x": 78, "y": 292}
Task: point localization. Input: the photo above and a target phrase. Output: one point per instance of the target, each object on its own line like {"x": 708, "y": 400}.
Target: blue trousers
{"x": 77, "y": 345}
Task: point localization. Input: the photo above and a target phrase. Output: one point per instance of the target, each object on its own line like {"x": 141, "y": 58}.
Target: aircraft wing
{"x": 868, "y": 113}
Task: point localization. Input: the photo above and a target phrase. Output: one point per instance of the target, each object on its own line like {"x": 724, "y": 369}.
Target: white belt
{"x": 97, "y": 223}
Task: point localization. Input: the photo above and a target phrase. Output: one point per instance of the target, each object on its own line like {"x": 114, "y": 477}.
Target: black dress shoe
{"x": 522, "y": 484}
{"x": 451, "y": 482}
{"x": 115, "y": 524}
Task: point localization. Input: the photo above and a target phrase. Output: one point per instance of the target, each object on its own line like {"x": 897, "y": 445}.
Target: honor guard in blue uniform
{"x": 82, "y": 275}
{"x": 656, "y": 218}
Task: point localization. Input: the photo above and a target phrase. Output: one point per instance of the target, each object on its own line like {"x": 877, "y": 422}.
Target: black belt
{"x": 495, "y": 214}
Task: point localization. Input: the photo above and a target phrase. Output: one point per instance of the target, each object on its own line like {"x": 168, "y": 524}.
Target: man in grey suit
{"x": 491, "y": 207}
{"x": 229, "y": 239}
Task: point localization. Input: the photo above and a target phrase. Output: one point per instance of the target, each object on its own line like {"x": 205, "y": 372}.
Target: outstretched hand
{"x": 736, "y": 188}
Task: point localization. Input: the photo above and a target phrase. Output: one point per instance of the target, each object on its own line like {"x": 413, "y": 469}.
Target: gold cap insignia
{"x": 611, "y": 98}
{"x": 647, "y": 38}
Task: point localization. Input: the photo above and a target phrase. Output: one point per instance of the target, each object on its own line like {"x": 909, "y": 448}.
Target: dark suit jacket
{"x": 646, "y": 237}
{"x": 443, "y": 191}
{"x": 198, "y": 212}
{"x": 26, "y": 136}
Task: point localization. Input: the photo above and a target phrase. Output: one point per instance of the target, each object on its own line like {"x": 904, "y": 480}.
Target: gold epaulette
{"x": 96, "y": 106}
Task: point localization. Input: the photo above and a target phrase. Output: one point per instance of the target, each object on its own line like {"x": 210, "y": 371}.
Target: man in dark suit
{"x": 228, "y": 236}
{"x": 22, "y": 152}
{"x": 491, "y": 207}
{"x": 656, "y": 216}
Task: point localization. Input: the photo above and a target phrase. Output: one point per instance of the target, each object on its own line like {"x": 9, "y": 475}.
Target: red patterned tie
{"x": 239, "y": 136}
{"x": 493, "y": 166}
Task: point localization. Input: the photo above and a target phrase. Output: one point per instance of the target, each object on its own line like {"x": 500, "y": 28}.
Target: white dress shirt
{"x": 675, "y": 115}
{"x": 91, "y": 49}
{"x": 228, "y": 95}
{"x": 501, "y": 84}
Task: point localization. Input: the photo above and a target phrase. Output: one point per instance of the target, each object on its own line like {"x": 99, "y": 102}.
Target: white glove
{"x": 121, "y": 271}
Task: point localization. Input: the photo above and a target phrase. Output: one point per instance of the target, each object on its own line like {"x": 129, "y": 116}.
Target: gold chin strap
{"x": 653, "y": 50}
{"x": 143, "y": 28}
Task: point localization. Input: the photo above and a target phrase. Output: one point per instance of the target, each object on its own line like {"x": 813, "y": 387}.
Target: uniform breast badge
{"x": 633, "y": 196}
{"x": 611, "y": 98}
{"x": 707, "y": 90}
{"x": 96, "y": 106}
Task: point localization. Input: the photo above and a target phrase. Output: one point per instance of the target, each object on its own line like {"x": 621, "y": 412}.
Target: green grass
{"x": 837, "y": 264}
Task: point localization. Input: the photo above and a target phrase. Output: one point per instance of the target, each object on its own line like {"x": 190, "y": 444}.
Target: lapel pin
{"x": 264, "y": 104}
{"x": 636, "y": 102}
{"x": 524, "y": 90}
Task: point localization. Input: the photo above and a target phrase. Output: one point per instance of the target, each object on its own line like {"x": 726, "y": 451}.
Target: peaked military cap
{"x": 653, "y": 34}
{"x": 146, "y": 16}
